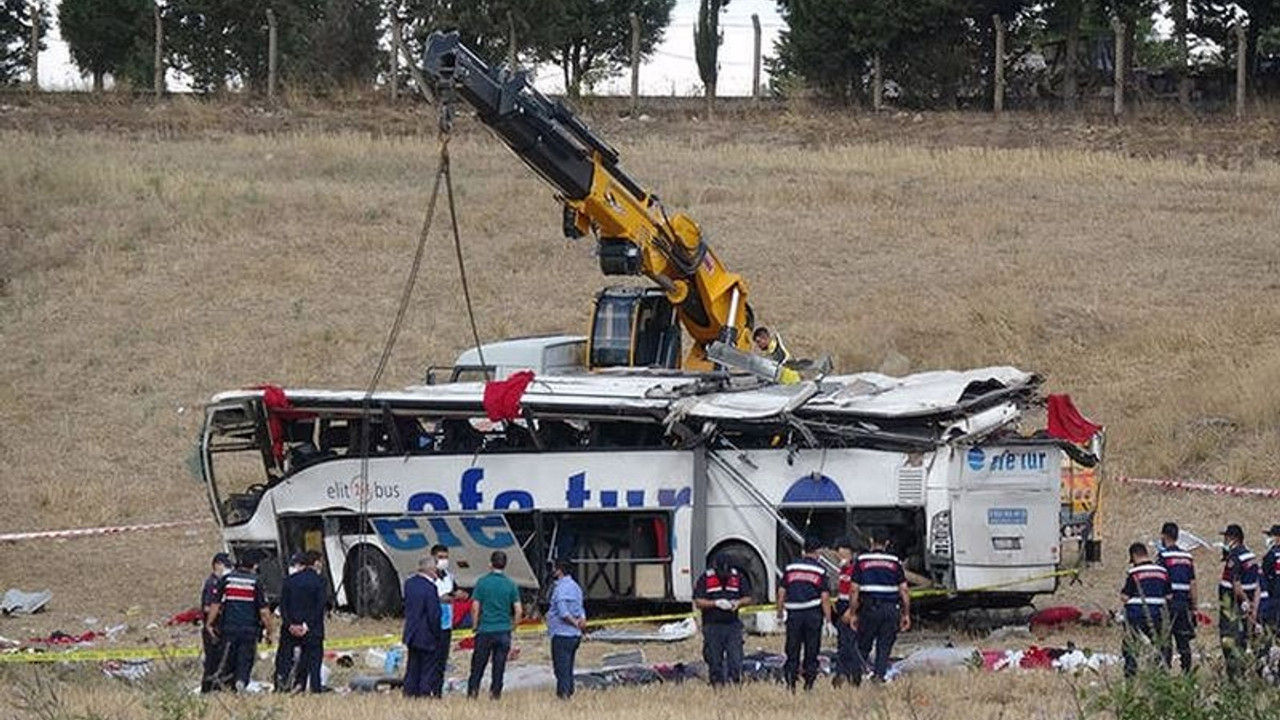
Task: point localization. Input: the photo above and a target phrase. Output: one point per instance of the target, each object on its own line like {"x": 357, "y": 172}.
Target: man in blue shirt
{"x": 1146, "y": 594}
{"x": 566, "y": 619}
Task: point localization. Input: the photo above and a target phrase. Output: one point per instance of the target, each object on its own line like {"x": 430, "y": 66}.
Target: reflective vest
{"x": 1146, "y": 587}
{"x": 878, "y": 576}
{"x": 1241, "y": 565}
{"x": 804, "y": 581}
{"x": 1182, "y": 572}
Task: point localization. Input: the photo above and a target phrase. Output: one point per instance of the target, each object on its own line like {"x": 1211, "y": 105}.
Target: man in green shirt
{"x": 495, "y": 611}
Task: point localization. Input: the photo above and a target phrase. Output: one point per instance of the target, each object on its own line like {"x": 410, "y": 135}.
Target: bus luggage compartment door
{"x": 1004, "y": 515}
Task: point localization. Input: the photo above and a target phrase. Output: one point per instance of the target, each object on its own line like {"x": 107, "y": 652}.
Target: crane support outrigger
{"x": 636, "y": 235}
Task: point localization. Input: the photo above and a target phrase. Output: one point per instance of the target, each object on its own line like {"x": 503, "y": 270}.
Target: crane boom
{"x": 636, "y": 235}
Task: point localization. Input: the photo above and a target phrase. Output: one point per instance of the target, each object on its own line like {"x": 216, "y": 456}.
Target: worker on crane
{"x": 771, "y": 346}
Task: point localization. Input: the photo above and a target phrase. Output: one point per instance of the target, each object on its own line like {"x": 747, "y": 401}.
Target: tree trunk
{"x": 1070, "y": 84}
{"x": 755, "y": 57}
{"x": 997, "y": 102}
{"x": 877, "y": 84}
{"x": 1117, "y": 98}
{"x": 1180, "y": 16}
{"x": 271, "y": 55}
{"x": 99, "y": 81}
{"x": 34, "y": 49}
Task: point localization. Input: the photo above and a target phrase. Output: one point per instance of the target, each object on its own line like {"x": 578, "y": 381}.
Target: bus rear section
{"x": 1003, "y": 520}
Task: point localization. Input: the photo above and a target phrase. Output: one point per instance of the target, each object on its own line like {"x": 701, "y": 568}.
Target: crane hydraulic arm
{"x": 636, "y": 236}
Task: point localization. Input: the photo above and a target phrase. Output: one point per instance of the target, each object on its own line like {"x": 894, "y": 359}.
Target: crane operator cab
{"x": 634, "y": 327}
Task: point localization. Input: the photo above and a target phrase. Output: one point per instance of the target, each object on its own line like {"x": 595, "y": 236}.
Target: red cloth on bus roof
{"x": 502, "y": 397}
{"x": 1066, "y": 422}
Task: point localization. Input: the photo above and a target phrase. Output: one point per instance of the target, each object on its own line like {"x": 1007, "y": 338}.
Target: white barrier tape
{"x": 1212, "y": 488}
{"x": 86, "y": 532}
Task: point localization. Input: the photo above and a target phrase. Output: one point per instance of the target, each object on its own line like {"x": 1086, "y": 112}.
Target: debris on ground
{"x": 669, "y": 632}
{"x": 18, "y": 602}
{"x": 187, "y": 617}
{"x": 128, "y": 670}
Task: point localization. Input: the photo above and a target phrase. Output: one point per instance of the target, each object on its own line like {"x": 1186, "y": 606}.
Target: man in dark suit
{"x": 423, "y": 635}
{"x": 303, "y": 601}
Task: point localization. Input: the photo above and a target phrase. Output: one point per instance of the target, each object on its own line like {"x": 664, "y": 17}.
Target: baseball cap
{"x": 223, "y": 558}
{"x": 1274, "y": 531}
{"x": 1234, "y": 531}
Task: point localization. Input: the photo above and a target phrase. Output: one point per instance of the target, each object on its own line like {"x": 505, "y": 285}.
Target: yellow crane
{"x": 635, "y": 233}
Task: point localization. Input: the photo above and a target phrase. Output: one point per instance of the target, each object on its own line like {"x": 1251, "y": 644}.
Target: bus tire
{"x": 748, "y": 561}
{"x": 373, "y": 586}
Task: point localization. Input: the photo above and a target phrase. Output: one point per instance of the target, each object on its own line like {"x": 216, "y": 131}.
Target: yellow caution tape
{"x": 372, "y": 641}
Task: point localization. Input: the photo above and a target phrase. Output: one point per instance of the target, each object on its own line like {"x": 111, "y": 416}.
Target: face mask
{"x": 442, "y": 563}
{"x": 223, "y": 572}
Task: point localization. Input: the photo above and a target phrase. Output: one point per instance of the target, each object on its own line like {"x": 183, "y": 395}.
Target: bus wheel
{"x": 749, "y": 562}
{"x": 373, "y": 586}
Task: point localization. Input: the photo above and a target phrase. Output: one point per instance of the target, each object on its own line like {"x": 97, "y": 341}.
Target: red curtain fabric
{"x": 1066, "y": 422}
{"x": 502, "y": 397}
{"x": 275, "y": 401}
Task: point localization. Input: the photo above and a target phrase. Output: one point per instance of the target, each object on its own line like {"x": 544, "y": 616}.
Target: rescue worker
{"x": 215, "y": 657}
{"x": 719, "y": 593}
{"x": 1183, "y": 599}
{"x": 847, "y": 663}
{"x": 879, "y": 605}
{"x": 1146, "y": 593}
{"x": 805, "y": 602}
{"x": 770, "y": 345}
{"x": 241, "y": 606}
{"x": 1237, "y": 600}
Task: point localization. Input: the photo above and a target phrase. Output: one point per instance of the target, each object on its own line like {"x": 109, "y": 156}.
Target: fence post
{"x": 635, "y": 64}
{"x": 395, "y": 55}
{"x": 877, "y": 84}
{"x": 158, "y": 79}
{"x": 271, "y": 56}
{"x": 1242, "y": 49}
{"x": 36, "y": 7}
{"x": 755, "y": 58}
{"x": 1117, "y": 104}
{"x": 998, "y": 101}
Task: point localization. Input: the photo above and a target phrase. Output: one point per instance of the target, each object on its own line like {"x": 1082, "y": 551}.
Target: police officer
{"x": 719, "y": 593}
{"x": 214, "y": 655}
{"x": 1146, "y": 593}
{"x": 847, "y": 662}
{"x": 1269, "y": 607}
{"x": 1238, "y": 593}
{"x": 1183, "y": 600}
{"x": 242, "y": 609}
{"x": 805, "y": 602}
{"x": 879, "y": 604}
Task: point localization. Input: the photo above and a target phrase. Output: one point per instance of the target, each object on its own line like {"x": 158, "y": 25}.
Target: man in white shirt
{"x": 448, "y": 593}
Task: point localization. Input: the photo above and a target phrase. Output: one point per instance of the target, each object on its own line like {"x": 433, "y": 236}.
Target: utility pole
{"x": 635, "y": 64}
{"x": 395, "y": 54}
{"x": 1117, "y": 105}
{"x": 755, "y": 58}
{"x": 271, "y": 56}
{"x": 36, "y": 8}
{"x": 158, "y": 80}
{"x": 998, "y": 101}
{"x": 1242, "y": 51}
{"x": 877, "y": 84}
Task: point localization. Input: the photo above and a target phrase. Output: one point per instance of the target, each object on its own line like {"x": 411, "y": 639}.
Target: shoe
{"x": 808, "y": 685}
{"x": 837, "y": 682}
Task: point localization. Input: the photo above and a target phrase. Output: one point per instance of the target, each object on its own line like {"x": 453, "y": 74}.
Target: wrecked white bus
{"x": 639, "y": 479}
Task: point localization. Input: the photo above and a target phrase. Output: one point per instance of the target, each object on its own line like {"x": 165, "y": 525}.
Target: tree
{"x": 219, "y": 41}
{"x": 706, "y": 43}
{"x": 485, "y": 26}
{"x": 342, "y": 46}
{"x": 1213, "y": 20}
{"x": 591, "y": 39}
{"x": 103, "y": 33}
{"x": 15, "y": 37}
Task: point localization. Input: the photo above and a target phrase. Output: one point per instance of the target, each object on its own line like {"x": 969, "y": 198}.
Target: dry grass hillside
{"x": 139, "y": 275}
